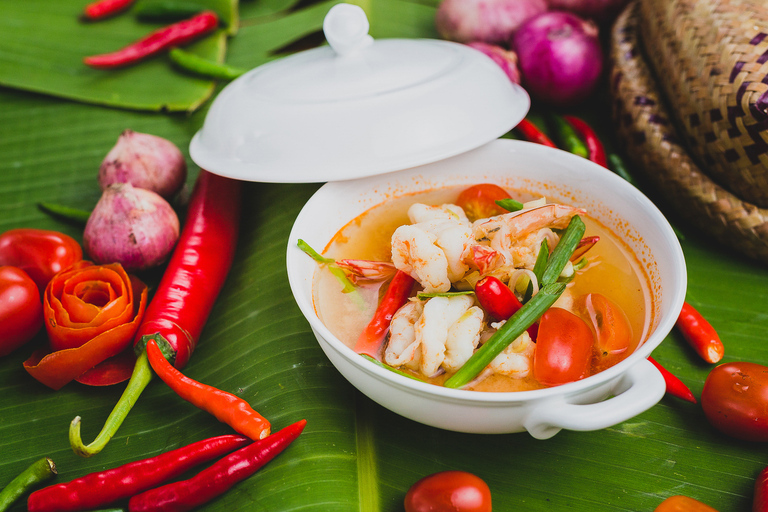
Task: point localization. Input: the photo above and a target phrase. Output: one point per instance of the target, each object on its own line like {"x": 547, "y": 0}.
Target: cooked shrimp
{"x": 441, "y": 332}
{"x": 515, "y": 361}
{"x": 402, "y": 349}
{"x": 517, "y": 236}
{"x": 432, "y": 249}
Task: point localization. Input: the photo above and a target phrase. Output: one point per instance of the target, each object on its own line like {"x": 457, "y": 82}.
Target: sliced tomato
{"x": 479, "y": 201}
{"x": 563, "y": 348}
{"x": 610, "y": 324}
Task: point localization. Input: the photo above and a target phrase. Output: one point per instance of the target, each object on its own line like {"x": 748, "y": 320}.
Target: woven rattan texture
{"x": 713, "y": 55}
{"x": 651, "y": 141}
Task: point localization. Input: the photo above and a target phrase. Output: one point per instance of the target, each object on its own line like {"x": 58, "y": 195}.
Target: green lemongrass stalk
{"x": 563, "y": 251}
{"x": 510, "y": 204}
{"x": 509, "y": 332}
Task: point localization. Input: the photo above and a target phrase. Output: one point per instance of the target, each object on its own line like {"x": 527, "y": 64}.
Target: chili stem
{"x": 198, "y": 65}
{"x": 141, "y": 376}
{"x": 563, "y": 250}
{"x": 512, "y": 328}
{"x": 35, "y": 474}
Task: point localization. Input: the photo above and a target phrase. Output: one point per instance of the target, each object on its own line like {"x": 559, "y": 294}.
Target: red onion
{"x": 506, "y": 59}
{"x": 599, "y": 10}
{"x": 560, "y": 57}
{"x": 131, "y": 226}
{"x": 489, "y": 21}
{"x": 145, "y": 161}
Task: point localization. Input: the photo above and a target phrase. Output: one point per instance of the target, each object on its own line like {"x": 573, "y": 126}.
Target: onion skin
{"x": 560, "y": 57}
{"x": 506, "y": 59}
{"x": 145, "y": 161}
{"x": 131, "y": 226}
{"x": 488, "y": 21}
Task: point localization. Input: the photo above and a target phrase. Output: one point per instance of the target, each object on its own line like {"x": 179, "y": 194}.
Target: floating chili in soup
{"x": 598, "y": 317}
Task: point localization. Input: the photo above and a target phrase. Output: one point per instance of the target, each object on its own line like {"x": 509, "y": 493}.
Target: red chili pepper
{"x": 700, "y": 334}
{"x": 760, "y": 499}
{"x": 594, "y": 145}
{"x": 226, "y": 407}
{"x": 218, "y": 478}
{"x": 102, "y": 488}
{"x": 186, "y": 293}
{"x": 531, "y": 133}
{"x": 499, "y": 301}
{"x": 105, "y": 8}
{"x": 176, "y": 34}
{"x": 675, "y": 386}
{"x": 372, "y": 337}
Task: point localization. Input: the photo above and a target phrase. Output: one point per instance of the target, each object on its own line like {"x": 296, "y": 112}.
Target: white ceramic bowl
{"x": 602, "y": 400}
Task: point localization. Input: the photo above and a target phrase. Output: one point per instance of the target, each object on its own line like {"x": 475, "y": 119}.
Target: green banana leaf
{"x": 354, "y": 455}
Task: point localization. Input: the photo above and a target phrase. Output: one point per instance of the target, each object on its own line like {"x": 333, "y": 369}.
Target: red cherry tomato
{"x": 21, "y": 312}
{"x": 563, "y": 348}
{"x": 479, "y": 201}
{"x": 449, "y": 491}
{"x": 735, "y": 400}
{"x": 609, "y": 323}
{"x": 39, "y": 252}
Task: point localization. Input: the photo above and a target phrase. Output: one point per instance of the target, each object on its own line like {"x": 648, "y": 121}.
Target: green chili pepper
{"x": 37, "y": 473}
{"x": 617, "y": 166}
{"x": 65, "y": 212}
{"x": 512, "y": 328}
{"x": 568, "y": 138}
{"x": 204, "y": 67}
{"x": 563, "y": 251}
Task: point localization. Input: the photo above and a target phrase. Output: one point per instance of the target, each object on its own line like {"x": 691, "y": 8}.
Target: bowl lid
{"x": 356, "y": 108}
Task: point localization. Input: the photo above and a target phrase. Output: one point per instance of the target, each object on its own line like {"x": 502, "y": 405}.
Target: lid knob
{"x": 346, "y": 28}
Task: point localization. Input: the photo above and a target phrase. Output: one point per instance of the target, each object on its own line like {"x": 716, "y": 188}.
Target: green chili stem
{"x": 387, "y": 367}
{"x": 141, "y": 376}
{"x": 568, "y": 138}
{"x": 563, "y": 250}
{"x": 512, "y": 328}
{"x": 510, "y": 204}
{"x": 204, "y": 67}
{"x": 65, "y": 212}
{"x": 37, "y": 473}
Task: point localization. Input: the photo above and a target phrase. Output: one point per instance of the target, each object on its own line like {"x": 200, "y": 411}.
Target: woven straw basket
{"x": 701, "y": 132}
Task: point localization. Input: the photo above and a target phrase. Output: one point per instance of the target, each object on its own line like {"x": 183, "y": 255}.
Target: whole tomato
{"x": 21, "y": 312}
{"x": 449, "y": 491}
{"x": 479, "y": 201}
{"x": 39, "y": 252}
{"x": 563, "y": 348}
{"x": 735, "y": 400}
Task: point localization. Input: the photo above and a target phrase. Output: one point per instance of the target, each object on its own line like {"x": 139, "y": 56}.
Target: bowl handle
{"x": 639, "y": 389}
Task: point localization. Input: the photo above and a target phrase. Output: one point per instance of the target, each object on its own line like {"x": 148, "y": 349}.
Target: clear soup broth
{"x": 611, "y": 270}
